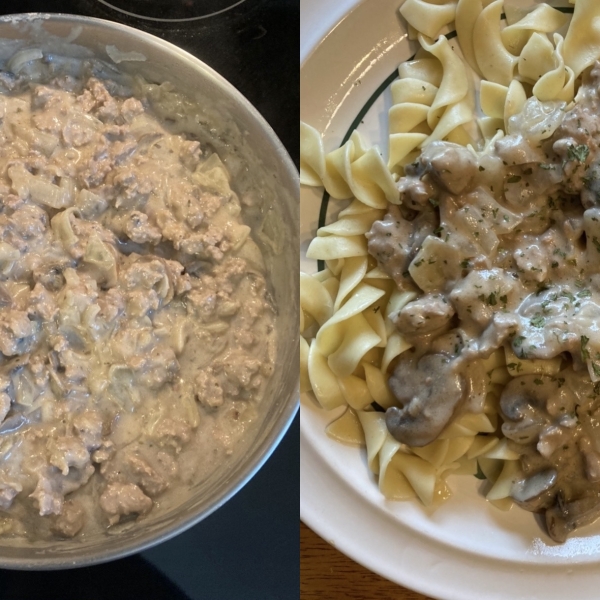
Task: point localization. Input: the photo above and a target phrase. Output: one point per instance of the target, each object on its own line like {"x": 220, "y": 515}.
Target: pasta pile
{"x": 349, "y": 343}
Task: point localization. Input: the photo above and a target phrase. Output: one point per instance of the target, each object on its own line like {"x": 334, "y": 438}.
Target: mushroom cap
{"x": 430, "y": 394}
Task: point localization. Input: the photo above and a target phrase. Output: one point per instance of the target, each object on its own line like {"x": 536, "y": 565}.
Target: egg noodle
{"x": 350, "y": 344}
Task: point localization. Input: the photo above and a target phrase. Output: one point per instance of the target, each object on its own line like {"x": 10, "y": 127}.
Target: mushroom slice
{"x": 524, "y": 406}
{"x": 430, "y": 394}
{"x": 535, "y": 492}
{"x": 564, "y": 517}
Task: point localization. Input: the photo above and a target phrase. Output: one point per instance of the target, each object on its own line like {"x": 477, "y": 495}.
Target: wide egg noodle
{"x": 428, "y": 17}
{"x": 331, "y": 333}
{"x": 312, "y": 156}
{"x": 424, "y": 67}
{"x": 457, "y": 448}
{"x": 100, "y": 261}
{"x": 402, "y": 146}
{"x": 347, "y": 429}
{"x": 515, "y": 100}
{"x": 335, "y": 266}
{"x": 8, "y": 256}
{"x": 305, "y": 385}
{"x": 542, "y": 19}
{"x": 324, "y": 383}
{"x": 395, "y": 486}
{"x": 454, "y": 85}
{"x": 349, "y": 225}
{"x": 314, "y": 299}
{"x": 358, "y": 339}
{"x": 481, "y": 444}
{"x": 398, "y": 300}
{"x": 375, "y": 429}
{"x": 434, "y": 453}
{"x": 495, "y": 62}
{"x": 412, "y": 89}
{"x": 378, "y": 386}
{"x": 353, "y": 272}
{"x": 505, "y": 481}
{"x": 377, "y": 322}
{"x": 582, "y": 42}
{"x": 371, "y": 181}
{"x": 412, "y": 96}
{"x": 63, "y": 229}
{"x": 396, "y": 345}
{"x": 353, "y": 170}
{"x": 337, "y": 246}
{"x": 388, "y": 449}
{"x": 558, "y": 81}
{"x": 468, "y": 424}
{"x": 421, "y": 475}
{"x": 38, "y": 189}
{"x": 467, "y": 12}
{"x": 356, "y": 392}
{"x": 500, "y": 102}
{"x": 332, "y": 285}
{"x": 536, "y": 58}
{"x": 492, "y": 97}
{"x": 453, "y": 104}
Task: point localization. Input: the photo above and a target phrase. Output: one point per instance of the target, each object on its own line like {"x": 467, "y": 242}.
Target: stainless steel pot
{"x": 266, "y": 171}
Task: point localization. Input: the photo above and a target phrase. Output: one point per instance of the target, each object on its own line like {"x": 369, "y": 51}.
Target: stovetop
{"x": 254, "y": 45}
{"x": 248, "y": 549}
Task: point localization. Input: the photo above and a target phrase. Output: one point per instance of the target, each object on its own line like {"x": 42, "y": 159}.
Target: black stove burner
{"x": 172, "y": 10}
{"x": 253, "y": 44}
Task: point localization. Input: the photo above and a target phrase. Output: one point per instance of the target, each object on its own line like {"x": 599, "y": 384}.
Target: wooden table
{"x": 326, "y": 574}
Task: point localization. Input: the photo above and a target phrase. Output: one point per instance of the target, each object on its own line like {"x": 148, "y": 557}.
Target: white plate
{"x": 467, "y": 549}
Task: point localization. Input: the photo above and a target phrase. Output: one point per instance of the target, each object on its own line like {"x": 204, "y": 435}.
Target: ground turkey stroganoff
{"x": 505, "y": 248}
{"x": 136, "y": 328}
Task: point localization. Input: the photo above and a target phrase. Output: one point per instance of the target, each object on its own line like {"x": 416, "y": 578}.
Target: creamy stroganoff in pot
{"x": 136, "y": 324}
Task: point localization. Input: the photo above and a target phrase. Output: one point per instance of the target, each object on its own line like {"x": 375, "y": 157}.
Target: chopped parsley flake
{"x": 537, "y": 321}
{"x": 585, "y": 353}
{"x": 578, "y": 153}
{"x": 567, "y": 294}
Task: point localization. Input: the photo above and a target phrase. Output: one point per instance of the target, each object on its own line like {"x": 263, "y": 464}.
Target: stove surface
{"x": 248, "y": 549}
